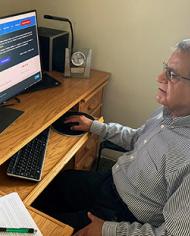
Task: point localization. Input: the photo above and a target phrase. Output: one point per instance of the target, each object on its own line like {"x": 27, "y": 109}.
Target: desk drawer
{"x": 97, "y": 112}
{"x": 91, "y": 103}
{"x": 87, "y": 154}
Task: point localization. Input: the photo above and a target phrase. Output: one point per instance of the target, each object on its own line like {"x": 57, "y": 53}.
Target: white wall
{"x": 129, "y": 38}
{"x": 8, "y": 7}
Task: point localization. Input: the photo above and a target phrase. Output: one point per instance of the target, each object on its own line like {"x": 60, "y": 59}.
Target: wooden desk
{"x": 41, "y": 109}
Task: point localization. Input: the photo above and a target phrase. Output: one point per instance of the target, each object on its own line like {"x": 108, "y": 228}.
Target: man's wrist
{"x": 109, "y": 228}
{"x": 96, "y": 127}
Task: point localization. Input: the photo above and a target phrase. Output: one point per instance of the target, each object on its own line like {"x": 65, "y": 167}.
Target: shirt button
{"x": 145, "y": 141}
{"x": 162, "y": 126}
{"x": 116, "y": 166}
{"x": 132, "y": 157}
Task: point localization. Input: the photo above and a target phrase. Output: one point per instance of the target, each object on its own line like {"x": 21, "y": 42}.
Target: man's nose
{"x": 161, "y": 78}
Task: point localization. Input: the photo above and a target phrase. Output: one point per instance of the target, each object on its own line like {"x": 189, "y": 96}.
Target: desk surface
{"x": 41, "y": 109}
{"x": 48, "y": 225}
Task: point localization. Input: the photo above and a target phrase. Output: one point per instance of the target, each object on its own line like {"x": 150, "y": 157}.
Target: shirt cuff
{"x": 109, "y": 228}
{"x": 96, "y": 127}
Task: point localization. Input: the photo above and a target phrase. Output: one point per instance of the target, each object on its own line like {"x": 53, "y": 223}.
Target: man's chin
{"x": 160, "y": 100}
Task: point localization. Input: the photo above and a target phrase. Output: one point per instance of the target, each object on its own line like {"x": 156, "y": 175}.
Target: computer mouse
{"x": 65, "y": 128}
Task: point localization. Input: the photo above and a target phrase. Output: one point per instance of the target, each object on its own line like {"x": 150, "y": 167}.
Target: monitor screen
{"x": 19, "y": 54}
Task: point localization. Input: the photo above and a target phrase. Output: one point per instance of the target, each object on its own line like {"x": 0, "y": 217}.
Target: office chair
{"x": 108, "y": 145}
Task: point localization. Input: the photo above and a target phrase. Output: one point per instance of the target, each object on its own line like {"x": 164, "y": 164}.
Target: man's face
{"x": 175, "y": 94}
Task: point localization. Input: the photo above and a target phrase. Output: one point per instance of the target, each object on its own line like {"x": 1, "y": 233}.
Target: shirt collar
{"x": 175, "y": 121}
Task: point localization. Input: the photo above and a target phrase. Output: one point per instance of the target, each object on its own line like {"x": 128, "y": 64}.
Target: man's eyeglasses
{"x": 171, "y": 74}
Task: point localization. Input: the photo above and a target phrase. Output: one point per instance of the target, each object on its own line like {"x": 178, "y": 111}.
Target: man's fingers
{"x": 72, "y": 119}
{"x": 91, "y": 216}
{"x": 77, "y": 127}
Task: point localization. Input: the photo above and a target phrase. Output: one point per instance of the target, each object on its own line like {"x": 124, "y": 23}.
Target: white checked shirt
{"x": 153, "y": 178}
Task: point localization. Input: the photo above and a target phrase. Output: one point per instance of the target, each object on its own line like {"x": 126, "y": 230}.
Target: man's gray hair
{"x": 184, "y": 45}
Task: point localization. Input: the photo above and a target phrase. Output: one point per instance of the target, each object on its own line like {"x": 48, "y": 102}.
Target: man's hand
{"x": 93, "y": 229}
{"x": 84, "y": 122}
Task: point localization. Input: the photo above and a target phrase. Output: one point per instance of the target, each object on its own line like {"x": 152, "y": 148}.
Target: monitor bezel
{"x": 2, "y": 101}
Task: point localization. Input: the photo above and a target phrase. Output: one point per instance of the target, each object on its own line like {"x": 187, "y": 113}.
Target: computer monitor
{"x": 19, "y": 54}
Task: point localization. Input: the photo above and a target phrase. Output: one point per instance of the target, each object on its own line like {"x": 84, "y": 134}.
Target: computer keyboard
{"x": 28, "y": 162}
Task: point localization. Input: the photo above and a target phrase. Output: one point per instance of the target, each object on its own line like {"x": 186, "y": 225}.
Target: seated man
{"x": 148, "y": 190}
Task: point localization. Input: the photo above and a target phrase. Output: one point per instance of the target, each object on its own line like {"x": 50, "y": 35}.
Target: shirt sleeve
{"x": 133, "y": 229}
{"x": 121, "y": 135}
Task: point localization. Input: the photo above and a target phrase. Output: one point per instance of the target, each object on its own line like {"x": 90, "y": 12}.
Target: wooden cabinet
{"x": 86, "y": 156}
{"x": 92, "y": 102}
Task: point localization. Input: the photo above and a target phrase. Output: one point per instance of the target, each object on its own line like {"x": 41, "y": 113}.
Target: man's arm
{"x": 98, "y": 227}
{"x": 116, "y": 133}
{"x": 133, "y": 229}
{"x": 121, "y": 135}
{"x": 93, "y": 229}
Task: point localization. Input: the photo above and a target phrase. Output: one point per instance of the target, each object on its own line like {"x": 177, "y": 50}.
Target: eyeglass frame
{"x": 167, "y": 71}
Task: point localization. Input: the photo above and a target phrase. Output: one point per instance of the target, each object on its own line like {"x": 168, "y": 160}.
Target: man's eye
{"x": 172, "y": 74}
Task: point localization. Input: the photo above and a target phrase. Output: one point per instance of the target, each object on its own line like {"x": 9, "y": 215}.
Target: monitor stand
{"x": 47, "y": 82}
{"x": 8, "y": 116}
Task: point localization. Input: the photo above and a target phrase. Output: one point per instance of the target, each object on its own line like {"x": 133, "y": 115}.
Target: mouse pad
{"x": 63, "y": 128}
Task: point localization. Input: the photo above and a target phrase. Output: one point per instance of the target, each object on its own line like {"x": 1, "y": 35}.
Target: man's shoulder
{"x": 158, "y": 111}
{"x": 156, "y": 114}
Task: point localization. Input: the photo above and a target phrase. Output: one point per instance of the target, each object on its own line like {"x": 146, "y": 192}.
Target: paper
{"x": 13, "y": 214}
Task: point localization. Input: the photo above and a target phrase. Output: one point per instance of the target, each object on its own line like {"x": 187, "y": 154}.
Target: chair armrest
{"x": 109, "y": 145}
